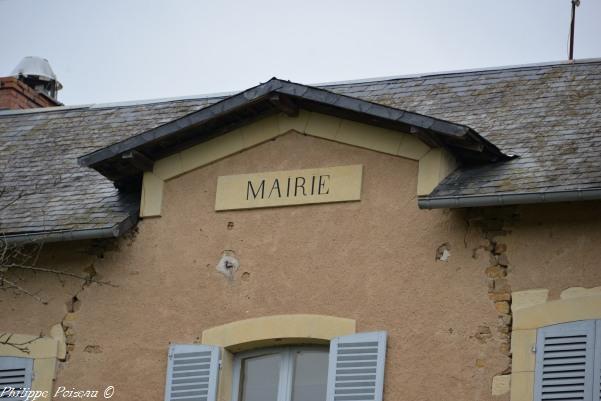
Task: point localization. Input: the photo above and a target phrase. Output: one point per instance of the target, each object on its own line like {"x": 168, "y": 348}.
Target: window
{"x": 568, "y": 361}
{"x": 350, "y": 368}
{"x": 281, "y": 374}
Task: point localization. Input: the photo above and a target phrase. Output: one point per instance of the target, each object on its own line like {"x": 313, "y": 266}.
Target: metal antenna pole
{"x": 575, "y": 3}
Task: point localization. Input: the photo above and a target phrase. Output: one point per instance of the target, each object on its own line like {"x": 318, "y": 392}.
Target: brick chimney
{"x": 32, "y": 84}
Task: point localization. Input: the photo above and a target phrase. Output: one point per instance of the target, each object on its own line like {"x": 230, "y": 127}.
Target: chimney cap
{"x": 38, "y": 67}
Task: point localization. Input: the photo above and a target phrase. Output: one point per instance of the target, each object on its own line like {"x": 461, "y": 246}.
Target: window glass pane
{"x": 310, "y": 375}
{"x": 261, "y": 376}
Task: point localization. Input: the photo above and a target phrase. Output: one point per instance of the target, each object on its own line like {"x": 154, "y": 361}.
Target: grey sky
{"x": 116, "y": 50}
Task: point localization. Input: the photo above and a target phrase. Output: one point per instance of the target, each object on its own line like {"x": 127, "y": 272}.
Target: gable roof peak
{"x": 277, "y": 95}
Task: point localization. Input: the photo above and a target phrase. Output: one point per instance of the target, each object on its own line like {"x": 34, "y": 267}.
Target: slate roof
{"x": 44, "y": 190}
{"x": 547, "y": 114}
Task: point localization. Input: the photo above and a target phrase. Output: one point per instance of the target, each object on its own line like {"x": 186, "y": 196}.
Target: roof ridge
{"x": 99, "y": 106}
{"x": 12, "y": 112}
{"x": 217, "y": 95}
{"x": 459, "y": 72}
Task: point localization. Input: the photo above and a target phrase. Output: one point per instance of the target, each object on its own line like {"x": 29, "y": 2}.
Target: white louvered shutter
{"x": 356, "y": 367}
{"x": 597, "y": 369}
{"x": 15, "y": 373}
{"x": 192, "y": 372}
{"x": 564, "y": 362}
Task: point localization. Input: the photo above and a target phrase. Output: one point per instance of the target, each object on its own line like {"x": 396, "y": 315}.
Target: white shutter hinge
{"x": 220, "y": 364}
{"x": 533, "y": 349}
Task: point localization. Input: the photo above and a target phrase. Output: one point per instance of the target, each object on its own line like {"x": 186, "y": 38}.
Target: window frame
{"x": 44, "y": 352}
{"x": 531, "y": 310}
{"x": 286, "y": 353}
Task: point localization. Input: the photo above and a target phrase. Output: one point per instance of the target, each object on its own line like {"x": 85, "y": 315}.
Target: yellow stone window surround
{"x": 434, "y": 163}
{"x": 266, "y": 331}
{"x": 45, "y": 352}
{"x": 533, "y": 310}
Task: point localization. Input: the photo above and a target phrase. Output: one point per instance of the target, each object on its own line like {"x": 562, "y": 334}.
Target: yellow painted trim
{"x": 558, "y": 311}
{"x": 522, "y": 344}
{"x": 299, "y": 123}
{"x": 533, "y": 310}
{"x": 58, "y": 334}
{"x": 323, "y": 126}
{"x": 44, "y": 347}
{"x": 528, "y": 298}
{"x": 152, "y": 195}
{"x": 434, "y": 167}
{"x": 44, "y": 351}
{"x": 268, "y": 331}
{"x": 577, "y": 292}
{"x": 246, "y": 334}
{"x": 217, "y": 148}
{"x": 522, "y": 385}
{"x": 314, "y": 124}
{"x": 368, "y": 137}
{"x": 44, "y": 370}
{"x": 226, "y": 376}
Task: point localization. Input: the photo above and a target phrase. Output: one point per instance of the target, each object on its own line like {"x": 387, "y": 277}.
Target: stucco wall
{"x": 555, "y": 247}
{"x": 373, "y": 261}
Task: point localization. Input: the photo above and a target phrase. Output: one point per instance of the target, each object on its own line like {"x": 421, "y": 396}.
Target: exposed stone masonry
{"x": 492, "y": 224}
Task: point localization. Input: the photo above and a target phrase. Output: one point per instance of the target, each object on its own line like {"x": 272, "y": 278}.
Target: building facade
{"x": 423, "y": 238}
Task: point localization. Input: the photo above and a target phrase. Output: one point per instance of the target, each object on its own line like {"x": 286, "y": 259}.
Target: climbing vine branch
{"x": 6, "y": 339}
